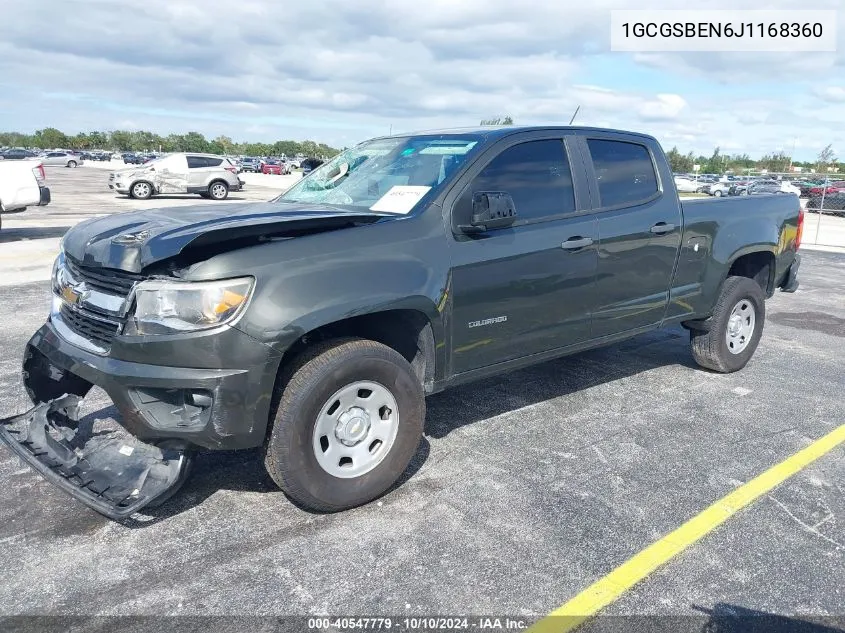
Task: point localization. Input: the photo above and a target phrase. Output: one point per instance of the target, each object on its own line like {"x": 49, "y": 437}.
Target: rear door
{"x": 54, "y": 158}
{"x": 171, "y": 174}
{"x": 527, "y": 288}
{"x": 639, "y": 231}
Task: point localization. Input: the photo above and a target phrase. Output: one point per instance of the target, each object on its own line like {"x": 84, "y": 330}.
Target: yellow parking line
{"x": 606, "y": 590}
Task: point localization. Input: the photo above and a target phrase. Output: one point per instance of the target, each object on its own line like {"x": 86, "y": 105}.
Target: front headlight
{"x": 58, "y": 268}
{"x": 166, "y": 307}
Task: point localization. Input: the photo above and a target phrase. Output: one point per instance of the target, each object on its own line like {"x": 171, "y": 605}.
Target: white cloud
{"x": 340, "y": 71}
{"x": 834, "y": 94}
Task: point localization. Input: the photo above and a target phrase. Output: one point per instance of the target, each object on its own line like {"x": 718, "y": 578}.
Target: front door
{"x": 639, "y": 237}
{"x": 527, "y": 288}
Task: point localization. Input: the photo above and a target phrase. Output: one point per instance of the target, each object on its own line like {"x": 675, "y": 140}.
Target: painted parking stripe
{"x": 606, "y": 590}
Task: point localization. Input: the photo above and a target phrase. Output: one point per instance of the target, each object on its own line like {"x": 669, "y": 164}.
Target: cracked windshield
{"x": 389, "y": 175}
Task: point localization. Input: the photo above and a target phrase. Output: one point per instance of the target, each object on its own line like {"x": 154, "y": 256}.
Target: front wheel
{"x": 141, "y": 190}
{"x": 349, "y": 420}
{"x": 734, "y": 329}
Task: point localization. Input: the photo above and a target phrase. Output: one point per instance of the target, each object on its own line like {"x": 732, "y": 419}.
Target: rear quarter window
{"x": 624, "y": 170}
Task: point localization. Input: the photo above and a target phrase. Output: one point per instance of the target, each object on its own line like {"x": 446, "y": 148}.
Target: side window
{"x": 624, "y": 170}
{"x": 537, "y": 176}
{"x": 213, "y": 162}
{"x": 195, "y": 162}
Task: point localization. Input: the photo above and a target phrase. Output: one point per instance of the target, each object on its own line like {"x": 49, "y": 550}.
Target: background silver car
{"x": 62, "y": 159}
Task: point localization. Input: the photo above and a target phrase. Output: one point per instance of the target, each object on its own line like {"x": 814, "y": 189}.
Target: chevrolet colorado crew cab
{"x": 315, "y": 324}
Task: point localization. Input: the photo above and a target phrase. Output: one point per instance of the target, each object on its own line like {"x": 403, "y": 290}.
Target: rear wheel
{"x": 718, "y": 193}
{"x": 218, "y": 190}
{"x": 734, "y": 329}
{"x": 71, "y": 164}
{"x": 348, "y": 423}
{"x": 141, "y": 190}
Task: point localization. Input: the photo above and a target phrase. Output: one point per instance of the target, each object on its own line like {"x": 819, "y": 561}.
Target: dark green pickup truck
{"x": 314, "y": 325}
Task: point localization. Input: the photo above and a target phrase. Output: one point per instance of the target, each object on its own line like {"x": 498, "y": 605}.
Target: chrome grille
{"x": 92, "y": 303}
{"x": 96, "y": 329}
{"x": 111, "y": 281}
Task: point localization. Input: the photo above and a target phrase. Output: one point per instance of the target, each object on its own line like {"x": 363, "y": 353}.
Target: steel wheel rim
{"x": 218, "y": 191}
{"x": 355, "y": 429}
{"x": 740, "y": 327}
{"x": 141, "y": 190}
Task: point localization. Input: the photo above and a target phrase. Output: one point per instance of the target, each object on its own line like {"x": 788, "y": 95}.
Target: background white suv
{"x": 208, "y": 175}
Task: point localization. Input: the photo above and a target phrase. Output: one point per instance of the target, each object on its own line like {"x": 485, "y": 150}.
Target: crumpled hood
{"x": 133, "y": 241}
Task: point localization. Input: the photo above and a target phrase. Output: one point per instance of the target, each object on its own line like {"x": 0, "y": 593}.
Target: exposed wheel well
{"x": 407, "y": 331}
{"x": 758, "y": 266}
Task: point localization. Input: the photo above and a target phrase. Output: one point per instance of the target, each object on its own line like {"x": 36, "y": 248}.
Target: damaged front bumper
{"x": 116, "y": 476}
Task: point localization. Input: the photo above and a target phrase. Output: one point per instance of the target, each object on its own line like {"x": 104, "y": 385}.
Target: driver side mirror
{"x": 490, "y": 210}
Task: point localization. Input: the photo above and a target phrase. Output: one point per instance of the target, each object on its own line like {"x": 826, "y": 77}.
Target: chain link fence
{"x": 823, "y": 199}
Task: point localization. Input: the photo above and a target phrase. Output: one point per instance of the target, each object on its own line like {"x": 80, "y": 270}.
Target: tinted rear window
{"x": 624, "y": 170}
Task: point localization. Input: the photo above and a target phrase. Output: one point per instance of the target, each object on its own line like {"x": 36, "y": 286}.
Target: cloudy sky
{"x": 341, "y": 71}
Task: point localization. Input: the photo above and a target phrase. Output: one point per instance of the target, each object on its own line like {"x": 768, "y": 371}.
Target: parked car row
{"x": 735, "y": 186}
{"x": 279, "y": 166}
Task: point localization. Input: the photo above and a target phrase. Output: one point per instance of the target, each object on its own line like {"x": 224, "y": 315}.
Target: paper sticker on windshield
{"x": 400, "y": 199}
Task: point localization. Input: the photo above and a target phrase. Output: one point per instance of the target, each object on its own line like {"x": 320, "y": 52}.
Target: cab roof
{"x": 492, "y": 132}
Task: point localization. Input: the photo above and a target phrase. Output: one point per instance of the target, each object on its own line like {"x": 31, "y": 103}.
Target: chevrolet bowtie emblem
{"x": 75, "y": 295}
{"x": 139, "y": 237}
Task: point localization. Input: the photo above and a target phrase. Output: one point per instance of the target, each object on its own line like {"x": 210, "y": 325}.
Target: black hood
{"x": 133, "y": 241}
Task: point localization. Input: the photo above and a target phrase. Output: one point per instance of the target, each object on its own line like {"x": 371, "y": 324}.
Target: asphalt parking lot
{"x": 526, "y": 489}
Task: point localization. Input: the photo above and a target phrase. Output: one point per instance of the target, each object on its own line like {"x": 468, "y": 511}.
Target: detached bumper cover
{"x": 117, "y": 477}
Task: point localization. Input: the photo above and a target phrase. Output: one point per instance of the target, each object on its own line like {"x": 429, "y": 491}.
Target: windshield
{"x": 389, "y": 175}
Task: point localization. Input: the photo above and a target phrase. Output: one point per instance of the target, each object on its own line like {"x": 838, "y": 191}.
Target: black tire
{"x": 218, "y": 190}
{"x": 317, "y": 374}
{"x": 141, "y": 190}
{"x": 710, "y": 349}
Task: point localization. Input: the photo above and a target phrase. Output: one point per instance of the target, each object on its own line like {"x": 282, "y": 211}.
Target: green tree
{"x": 98, "y": 140}
{"x": 776, "y": 162}
{"x": 502, "y": 120}
{"x": 144, "y": 140}
{"x": 826, "y": 158}
{"x": 120, "y": 140}
{"x": 50, "y": 138}
{"x": 715, "y": 164}
{"x": 226, "y": 145}
{"x": 195, "y": 142}
{"x": 678, "y": 162}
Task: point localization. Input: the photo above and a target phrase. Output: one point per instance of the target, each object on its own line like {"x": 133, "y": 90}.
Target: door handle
{"x": 662, "y": 227}
{"x": 574, "y": 243}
